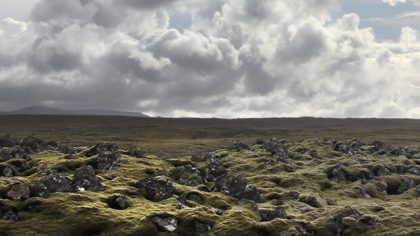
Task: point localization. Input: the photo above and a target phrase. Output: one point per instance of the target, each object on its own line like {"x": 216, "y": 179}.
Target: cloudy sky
{"x": 219, "y": 58}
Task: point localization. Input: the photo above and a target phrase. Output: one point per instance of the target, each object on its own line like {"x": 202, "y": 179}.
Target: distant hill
{"x": 43, "y": 110}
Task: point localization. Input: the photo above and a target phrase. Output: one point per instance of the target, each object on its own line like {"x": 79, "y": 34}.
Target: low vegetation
{"x": 264, "y": 187}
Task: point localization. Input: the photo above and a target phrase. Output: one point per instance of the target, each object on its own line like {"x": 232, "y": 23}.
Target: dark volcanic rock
{"x": 20, "y": 165}
{"x": 86, "y": 179}
{"x": 352, "y": 147}
{"x": 202, "y": 157}
{"x": 6, "y": 171}
{"x": 19, "y": 191}
{"x": 6, "y": 141}
{"x": 165, "y": 223}
{"x": 201, "y": 227}
{"x": 238, "y": 187}
{"x": 309, "y": 200}
{"x": 406, "y": 184}
{"x": 156, "y": 189}
{"x": 213, "y": 170}
{"x": 8, "y": 213}
{"x": 56, "y": 183}
{"x": 269, "y": 215}
{"x": 39, "y": 190}
{"x": 106, "y": 160}
{"x": 186, "y": 175}
{"x": 380, "y": 170}
{"x": 136, "y": 152}
{"x": 34, "y": 145}
{"x": 418, "y": 191}
{"x": 339, "y": 172}
{"x": 14, "y": 152}
{"x": 277, "y": 148}
{"x": 399, "y": 185}
{"x": 409, "y": 153}
{"x": 66, "y": 149}
{"x": 104, "y": 147}
{"x": 117, "y": 202}
{"x": 238, "y": 146}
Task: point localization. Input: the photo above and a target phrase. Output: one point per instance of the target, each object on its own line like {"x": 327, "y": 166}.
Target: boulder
{"x": 201, "y": 227}
{"x": 186, "y": 175}
{"x": 277, "y": 148}
{"x": 66, "y": 149}
{"x": 20, "y": 165}
{"x": 406, "y": 184}
{"x": 136, "y": 152}
{"x": 85, "y": 179}
{"x": 117, "y": 202}
{"x": 8, "y": 153}
{"x": 19, "y": 192}
{"x": 238, "y": 146}
{"x": 6, "y": 171}
{"x": 269, "y": 215}
{"x": 380, "y": 170}
{"x": 202, "y": 157}
{"x": 415, "y": 170}
{"x": 309, "y": 200}
{"x": 39, "y": 190}
{"x": 106, "y": 160}
{"x": 156, "y": 189}
{"x": 34, "y": 145}
{"x": 56, "y": 183}
{"x": 102, "y": 147}
{"x": 165, "y": 223}
{"x": 337, "y": 172}
{"x": 238, "y": 187}
{"x": 6, "y": 141}
{"x": 213, "y": 170}
{"x": 8, "y": 213}
{"x": 418, "y": 191}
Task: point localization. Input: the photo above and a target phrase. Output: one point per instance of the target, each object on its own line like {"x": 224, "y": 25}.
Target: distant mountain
{"x": 42, "y": 110}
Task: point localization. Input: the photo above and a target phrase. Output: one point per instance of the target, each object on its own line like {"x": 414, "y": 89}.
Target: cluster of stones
{"x": 394, "y": 186}
{"x": 15, "y": 161}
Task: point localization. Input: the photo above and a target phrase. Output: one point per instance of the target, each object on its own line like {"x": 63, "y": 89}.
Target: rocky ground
{"x": 270, "y": 187}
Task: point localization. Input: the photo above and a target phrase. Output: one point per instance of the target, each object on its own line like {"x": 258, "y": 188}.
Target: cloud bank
{"x": 236, "y": 58}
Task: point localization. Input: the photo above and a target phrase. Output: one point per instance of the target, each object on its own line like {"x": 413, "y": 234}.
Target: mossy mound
{"x": 311, "y": 187}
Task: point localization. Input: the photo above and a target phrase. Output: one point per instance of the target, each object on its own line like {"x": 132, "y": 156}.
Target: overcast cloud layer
{"x": 219, "y": 58}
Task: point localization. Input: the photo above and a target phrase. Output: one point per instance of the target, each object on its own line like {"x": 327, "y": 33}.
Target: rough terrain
{"x": 266, "y": 187}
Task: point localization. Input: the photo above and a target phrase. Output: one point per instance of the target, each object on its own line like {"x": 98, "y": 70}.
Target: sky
{"x": 219, "y": 58}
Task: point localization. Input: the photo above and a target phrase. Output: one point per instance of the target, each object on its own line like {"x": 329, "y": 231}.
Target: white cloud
{"x": 238, "y": 59}
{"x": 395, "y": 2}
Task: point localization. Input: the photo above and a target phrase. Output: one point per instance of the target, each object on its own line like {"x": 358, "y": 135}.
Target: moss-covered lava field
{"x": 265, "y": 187}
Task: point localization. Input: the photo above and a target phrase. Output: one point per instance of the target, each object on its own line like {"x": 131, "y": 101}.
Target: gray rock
{"x": 34, "y": 145}
{"x": 238, "y": 187}
{"x": 238, "y": 146}
{"x": 102, "y": 147}
{"x": 106, "y": 160}
{"x": 117, "y": 202}
{"x": 6, "y": 171}
{"x": 309, "y": 200}
{"x": 19, "y": 191}
{"x": 202, "y": 227}
{"x": 39, "y": 190}
{"x": 136, "y": 152}
{"x": 269, "y": 215}
{"x": 405, "y": 185}
{"x": 165, "y": 223}
{"x": 56, "y": 183}
{"x": 156, "y": 189}
{"x": 85, "y": 179}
